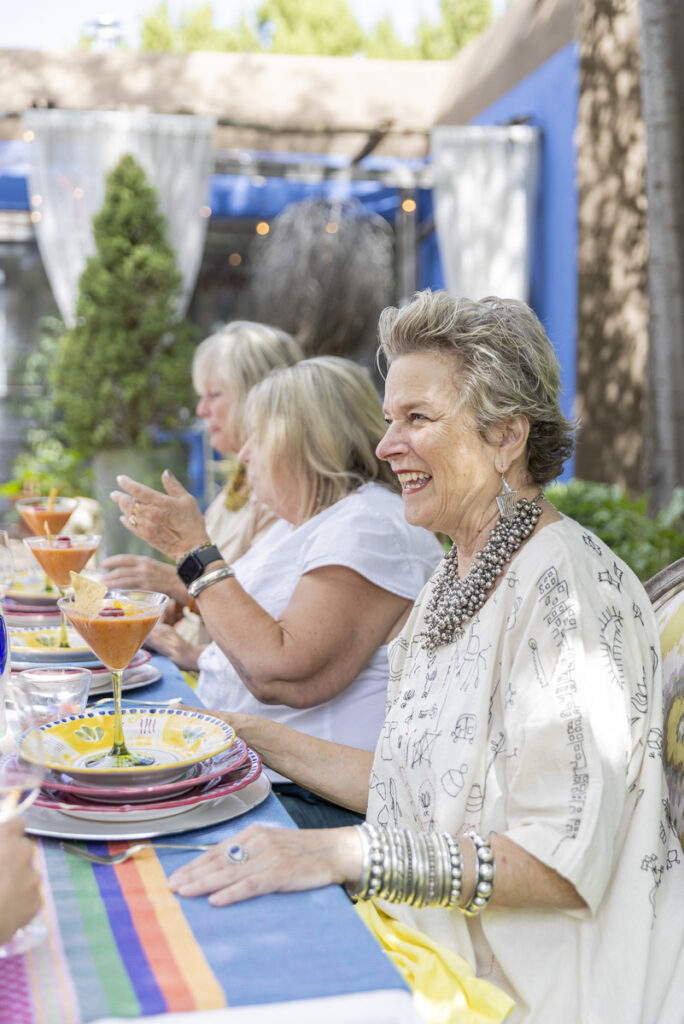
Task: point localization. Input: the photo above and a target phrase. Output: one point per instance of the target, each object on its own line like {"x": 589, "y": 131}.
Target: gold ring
{"x": 135, "y": 507}
{"x": 132, "y": 520}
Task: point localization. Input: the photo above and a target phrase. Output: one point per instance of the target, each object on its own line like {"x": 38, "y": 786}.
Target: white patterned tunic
{"x": 544, "y": 723}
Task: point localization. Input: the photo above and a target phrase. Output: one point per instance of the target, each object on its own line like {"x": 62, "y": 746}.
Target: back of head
{"x": 322, "y": 419}
{"x": 238, "y": 357}
{"x": 504, "y": 366}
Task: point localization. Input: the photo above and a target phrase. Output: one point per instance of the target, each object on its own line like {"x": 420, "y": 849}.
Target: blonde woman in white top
{"x": 300, "y": 625}
{"x": 226, "y": 366}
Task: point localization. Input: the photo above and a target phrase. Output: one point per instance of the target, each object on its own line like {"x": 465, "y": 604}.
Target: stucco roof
{"x": 264, "y": 102}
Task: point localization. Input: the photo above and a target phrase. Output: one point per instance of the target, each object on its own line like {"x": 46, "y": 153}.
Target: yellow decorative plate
{"x": 173, "y": 737}
{"x": 41, "y": 643}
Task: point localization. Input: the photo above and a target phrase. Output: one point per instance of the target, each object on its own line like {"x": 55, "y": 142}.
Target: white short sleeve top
{"x": 366, "y": 532}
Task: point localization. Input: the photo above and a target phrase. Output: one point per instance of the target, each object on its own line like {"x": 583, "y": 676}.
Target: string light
{"x": 35, "y": 216}
{"x": 36, "y": 200}
{"x": 409, "y": 206}
{"x": 78, "y": 193}
{"x": 205, "y": 211}
{"x": 29, "y": 136}
{"x": 263, "y": 227}
{"x": 235, "y": 259}
{"x": 331, "y": 227}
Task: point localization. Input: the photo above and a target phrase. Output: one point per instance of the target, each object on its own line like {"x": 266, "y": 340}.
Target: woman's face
{"x": 274, "y": 486}
{"x": 446, "y": 470}
{"x": 215, "y": 405}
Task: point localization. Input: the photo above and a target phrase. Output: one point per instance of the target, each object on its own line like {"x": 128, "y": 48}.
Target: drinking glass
{"x": 55, "y": 692}
{"x": 6, "y": 563}
{"x": 48, "y": 511}
{"x": 58, "y": 557}
{"x": 22, "y": 768}
{"x": 115, "y": 634}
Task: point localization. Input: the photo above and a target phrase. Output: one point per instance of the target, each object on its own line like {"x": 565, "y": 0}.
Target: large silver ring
{"x": 132, "y": 520}
{"x": 237, "y": 854}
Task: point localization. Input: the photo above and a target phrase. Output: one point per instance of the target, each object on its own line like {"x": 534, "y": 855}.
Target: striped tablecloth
{"x": 120, "y": 944}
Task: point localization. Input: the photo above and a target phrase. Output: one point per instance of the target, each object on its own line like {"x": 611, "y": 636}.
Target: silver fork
{"x": 150, "y": 703}
{"x": 130, "y": 851}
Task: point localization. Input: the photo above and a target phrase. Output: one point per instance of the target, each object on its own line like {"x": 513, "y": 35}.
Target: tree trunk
{"x": 662, "y": 45}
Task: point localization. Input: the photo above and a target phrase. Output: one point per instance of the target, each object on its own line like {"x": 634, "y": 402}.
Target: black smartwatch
{"x": 193, "y": 565}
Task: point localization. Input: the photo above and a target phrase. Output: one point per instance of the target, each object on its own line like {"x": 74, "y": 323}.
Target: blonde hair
{"x": 320, "y": 421}
{"x": 504, "y": 366}
{"x": 238, "y": 357}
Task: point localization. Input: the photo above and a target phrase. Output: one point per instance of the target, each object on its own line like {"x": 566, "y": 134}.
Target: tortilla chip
{"x": 88, "y": 594}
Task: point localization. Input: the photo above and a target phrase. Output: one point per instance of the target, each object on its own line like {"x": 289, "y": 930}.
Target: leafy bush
{"x": 646, "y": 543}
{"x": 45, "y": 461}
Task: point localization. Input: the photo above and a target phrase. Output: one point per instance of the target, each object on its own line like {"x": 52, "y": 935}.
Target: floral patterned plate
{"x": 173, "y": 737}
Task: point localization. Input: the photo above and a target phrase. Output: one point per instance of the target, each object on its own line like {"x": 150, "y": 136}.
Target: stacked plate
{"x": 32, "y": 646}
{"x": 200, "y": 773}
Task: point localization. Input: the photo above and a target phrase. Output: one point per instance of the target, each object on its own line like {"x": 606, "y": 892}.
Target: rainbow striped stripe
{"x": 136, "y": 952}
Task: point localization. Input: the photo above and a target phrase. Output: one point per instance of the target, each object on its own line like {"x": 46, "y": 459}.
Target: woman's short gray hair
{"x": 321, "y": 421}
{"x": 238, "y": 357}
{"x": 504, "y": 366}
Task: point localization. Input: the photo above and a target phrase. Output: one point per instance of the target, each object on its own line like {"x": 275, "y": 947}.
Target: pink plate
{"x": 214, "y": 789}
{"x": 197, "y": 775}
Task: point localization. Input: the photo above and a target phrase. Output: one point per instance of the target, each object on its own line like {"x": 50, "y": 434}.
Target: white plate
{"x": 56, "y": 825}
{"x": 133, "y": 678}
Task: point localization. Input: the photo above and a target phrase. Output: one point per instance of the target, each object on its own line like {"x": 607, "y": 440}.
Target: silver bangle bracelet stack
{"x": 484, "y": 886}
{"x": 423, "y": 869}
{"x": 208, "y": 580}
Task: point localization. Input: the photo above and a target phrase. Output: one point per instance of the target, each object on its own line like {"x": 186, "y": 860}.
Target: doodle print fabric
{"x": 544, "y": 722}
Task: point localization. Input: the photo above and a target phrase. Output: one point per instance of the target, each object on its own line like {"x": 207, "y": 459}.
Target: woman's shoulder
{"x": 367, "y": 532}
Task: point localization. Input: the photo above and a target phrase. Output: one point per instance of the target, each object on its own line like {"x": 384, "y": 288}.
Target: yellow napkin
{"x": 445, "y": 988}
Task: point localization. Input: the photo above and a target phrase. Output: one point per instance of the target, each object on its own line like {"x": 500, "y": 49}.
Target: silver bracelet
{"x": 208, "y": 580}
{"x": 484, "y": 884}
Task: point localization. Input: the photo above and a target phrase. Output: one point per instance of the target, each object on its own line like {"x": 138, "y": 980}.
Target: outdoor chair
{"x": 666, "y": 591}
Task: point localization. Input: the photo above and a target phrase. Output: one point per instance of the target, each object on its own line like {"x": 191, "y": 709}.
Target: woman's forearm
{"x": 335, "y": 772}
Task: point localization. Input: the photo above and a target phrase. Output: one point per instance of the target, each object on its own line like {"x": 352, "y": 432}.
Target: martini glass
{"x": 115, "y": 633}
{"x": 39, "y": 512}
{"x": 60, "y": 556}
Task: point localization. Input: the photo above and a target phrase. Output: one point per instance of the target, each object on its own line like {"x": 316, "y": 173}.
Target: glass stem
{"x": 63, "y": 635}
{"x": 49, "y": 589}
{"x": 119, "y": 746}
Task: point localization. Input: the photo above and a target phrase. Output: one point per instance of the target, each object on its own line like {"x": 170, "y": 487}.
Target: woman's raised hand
{"x": 271, "y": 860}
{"x": 164, "y": 639}
{"x": 172, "y": 523}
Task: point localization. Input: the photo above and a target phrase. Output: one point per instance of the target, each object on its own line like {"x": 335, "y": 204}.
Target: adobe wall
{"x": 612, "y": 334}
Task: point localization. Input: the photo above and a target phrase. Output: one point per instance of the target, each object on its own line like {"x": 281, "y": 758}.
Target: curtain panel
{"x": 72, "y": 153}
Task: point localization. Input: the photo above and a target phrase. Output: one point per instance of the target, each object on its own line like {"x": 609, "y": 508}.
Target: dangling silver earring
{"x": 506, "y": 499}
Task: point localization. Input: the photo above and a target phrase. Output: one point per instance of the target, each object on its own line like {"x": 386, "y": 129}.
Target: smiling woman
{"x": 517, "y": 777}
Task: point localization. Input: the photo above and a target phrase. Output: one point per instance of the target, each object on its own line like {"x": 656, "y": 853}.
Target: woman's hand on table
{"x": 166, "y": 640}
{"x": 278, "y": 860}
{"x": 19, "y": 882}
{"x": 143, "y": 573}
{"x": 172, "y": 523}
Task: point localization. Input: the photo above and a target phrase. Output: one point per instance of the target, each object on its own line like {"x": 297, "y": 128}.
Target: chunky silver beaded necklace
{"x": 454, "y": 601}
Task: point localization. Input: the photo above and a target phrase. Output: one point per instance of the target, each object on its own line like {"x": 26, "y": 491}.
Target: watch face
{"x": 192, "y": 566}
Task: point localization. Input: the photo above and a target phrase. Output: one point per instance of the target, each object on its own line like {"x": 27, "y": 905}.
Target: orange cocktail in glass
{"x": 37, "y": 512}
{"x": 115, "y": 633}
{"x": 60, "y": 556}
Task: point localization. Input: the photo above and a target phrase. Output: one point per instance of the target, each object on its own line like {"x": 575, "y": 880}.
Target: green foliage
{"x": 316, "y": 27}
{"x": 123, "y": 371}
{"x": 45, "y": 461}
{"x": 645, "y": 543}
{"x": 460, "y": 21}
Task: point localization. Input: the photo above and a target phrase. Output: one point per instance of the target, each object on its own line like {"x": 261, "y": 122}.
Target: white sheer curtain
{"x": 485, "y": 194}
{"x": 73, "y": 151}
